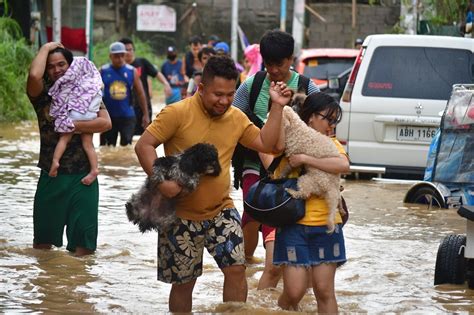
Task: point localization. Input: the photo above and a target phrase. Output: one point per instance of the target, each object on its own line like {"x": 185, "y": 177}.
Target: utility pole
{"x": 415, "y": 17}
{"x": 354, "y": 22}
{"x": 89, "y": 28}
{"x": 283, "y": 15}
{"x": 233, "y": 31}
{"x": 57, "y": 20}
{"x": 298, "y": 24}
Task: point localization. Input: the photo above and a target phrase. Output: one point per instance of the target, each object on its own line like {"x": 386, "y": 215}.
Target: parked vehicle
{"x": 329, "y": 68}
{"x": 449, "y": 183}
{"x": 395, "y": 96}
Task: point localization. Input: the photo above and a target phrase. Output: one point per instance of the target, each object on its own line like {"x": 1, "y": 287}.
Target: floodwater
{"x": 391, "y": 249}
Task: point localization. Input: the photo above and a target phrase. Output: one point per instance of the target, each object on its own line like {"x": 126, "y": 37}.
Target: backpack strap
{"x": 256, "y": 87}
{"x": 303, "y": 84}
{"x": 254, "y": 91}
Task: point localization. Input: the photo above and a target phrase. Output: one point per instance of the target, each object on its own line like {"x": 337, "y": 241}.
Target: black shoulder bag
{"x": 269, "y": 203}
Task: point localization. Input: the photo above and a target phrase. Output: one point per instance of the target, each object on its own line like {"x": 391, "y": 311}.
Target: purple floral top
{"x": 75, "y": 90}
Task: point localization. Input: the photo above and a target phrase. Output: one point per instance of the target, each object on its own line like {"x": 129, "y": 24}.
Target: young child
{"x": 76, "y": 96}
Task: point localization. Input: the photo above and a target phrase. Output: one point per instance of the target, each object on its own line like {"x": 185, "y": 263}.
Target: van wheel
{"x": 428, "y": 196}
{"x": 450, "y": 262}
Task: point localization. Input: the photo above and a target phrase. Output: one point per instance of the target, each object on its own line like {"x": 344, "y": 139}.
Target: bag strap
{"x": 303, "y": 84}
{"x": 256, "y": 87}
{"x": 276, "y": 161}
{"x": 254, "y": 92}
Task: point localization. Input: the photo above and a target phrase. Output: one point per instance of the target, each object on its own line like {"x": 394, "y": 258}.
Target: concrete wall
{"x": 337, "y": 32}
{"x": 255, "y": 17}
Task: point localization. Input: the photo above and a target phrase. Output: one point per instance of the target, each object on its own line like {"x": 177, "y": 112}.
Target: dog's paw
{"x": 331, "y": 228}
{"x": 296, "y": 193}
{"x": 131, "y": 215}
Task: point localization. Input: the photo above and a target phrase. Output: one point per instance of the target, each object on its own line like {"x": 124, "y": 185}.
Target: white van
{"x": 395, "y": 96}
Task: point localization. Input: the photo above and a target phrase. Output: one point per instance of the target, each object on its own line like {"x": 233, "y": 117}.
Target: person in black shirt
{"x": 191, "y": 61}
{"x": 145, "y": 69}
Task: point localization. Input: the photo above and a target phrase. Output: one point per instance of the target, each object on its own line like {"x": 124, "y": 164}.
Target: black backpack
{"x": 241, "y": 152}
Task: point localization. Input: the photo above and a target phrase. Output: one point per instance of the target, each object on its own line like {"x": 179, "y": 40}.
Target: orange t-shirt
{"x": 183, "y": 124}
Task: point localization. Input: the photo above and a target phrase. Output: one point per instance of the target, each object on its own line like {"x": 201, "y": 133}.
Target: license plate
{"x": 413, "y": 133}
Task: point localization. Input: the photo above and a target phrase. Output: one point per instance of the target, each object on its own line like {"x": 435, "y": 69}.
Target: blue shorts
{"x": 301, "y": 245}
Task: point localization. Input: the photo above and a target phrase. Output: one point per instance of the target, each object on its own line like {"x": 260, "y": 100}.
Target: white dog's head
{"x": 290, "y": 116}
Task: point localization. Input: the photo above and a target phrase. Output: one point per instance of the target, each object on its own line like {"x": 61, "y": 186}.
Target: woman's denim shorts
{"x": 301, "y": 245}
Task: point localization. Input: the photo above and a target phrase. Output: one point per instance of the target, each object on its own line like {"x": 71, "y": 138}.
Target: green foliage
{"x": 15, "y": 59}
{"x": 444, "y": 12}
{"x": 142, "y": 49}
{"x": 397, "y": 28}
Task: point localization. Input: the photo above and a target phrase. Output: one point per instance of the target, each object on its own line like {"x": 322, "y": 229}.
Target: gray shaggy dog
{"x": 302, "y": 139}
{"x": 148, "y": 208}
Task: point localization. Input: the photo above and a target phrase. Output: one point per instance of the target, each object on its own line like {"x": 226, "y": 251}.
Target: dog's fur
{"x": 302, "y": 139}
{"x": 148, "y": 208}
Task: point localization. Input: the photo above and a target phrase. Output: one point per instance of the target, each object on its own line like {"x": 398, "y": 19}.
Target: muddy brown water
{"x": 391, "y": 249}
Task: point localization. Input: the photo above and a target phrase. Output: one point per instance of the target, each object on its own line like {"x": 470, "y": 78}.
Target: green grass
{"x": 15, "y": 59}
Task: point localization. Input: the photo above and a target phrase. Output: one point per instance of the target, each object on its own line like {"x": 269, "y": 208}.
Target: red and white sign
{"x": 156, "y": 18}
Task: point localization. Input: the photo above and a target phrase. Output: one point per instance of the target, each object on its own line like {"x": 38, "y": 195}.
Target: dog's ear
{"x": 162, "y": 168}
{"x": 297, "y": 101}
{"x": 164, "y": 162}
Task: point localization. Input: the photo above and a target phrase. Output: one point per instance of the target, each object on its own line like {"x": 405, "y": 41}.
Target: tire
{"x": 450, "y": 261}
{"x": 428, "y": 196}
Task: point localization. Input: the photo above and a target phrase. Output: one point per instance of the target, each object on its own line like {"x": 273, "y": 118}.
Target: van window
{"x": 324, "y": 68}
{"x": 417, "y": 72}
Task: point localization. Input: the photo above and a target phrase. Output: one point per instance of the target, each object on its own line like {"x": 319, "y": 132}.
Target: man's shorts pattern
{"x": 302, "y": 245}
{"x": 180, "y": 249}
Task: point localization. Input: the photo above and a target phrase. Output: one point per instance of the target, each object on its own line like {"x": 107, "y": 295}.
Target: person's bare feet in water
{"x": 90, "y": 178}
{"x": 53, "y": 170}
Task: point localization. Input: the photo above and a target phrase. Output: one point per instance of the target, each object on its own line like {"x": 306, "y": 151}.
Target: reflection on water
{"x": 391, "y": 249}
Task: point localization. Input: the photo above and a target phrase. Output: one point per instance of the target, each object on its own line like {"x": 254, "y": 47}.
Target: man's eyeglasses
{"x": 330, "y": 120}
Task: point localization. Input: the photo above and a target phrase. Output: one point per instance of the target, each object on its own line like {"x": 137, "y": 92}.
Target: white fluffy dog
{"x": 302, "y": 139}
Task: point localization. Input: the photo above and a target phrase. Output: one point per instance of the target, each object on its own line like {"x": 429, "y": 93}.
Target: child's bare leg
{"x": 64, "y": 139}
{"x": 92, "y": 156}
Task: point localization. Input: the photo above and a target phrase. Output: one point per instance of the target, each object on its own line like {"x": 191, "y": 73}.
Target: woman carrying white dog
{"x": 308, "y": 253}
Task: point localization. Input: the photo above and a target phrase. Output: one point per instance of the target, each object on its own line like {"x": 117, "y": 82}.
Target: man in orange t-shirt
{"x": 207, "y": 216}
